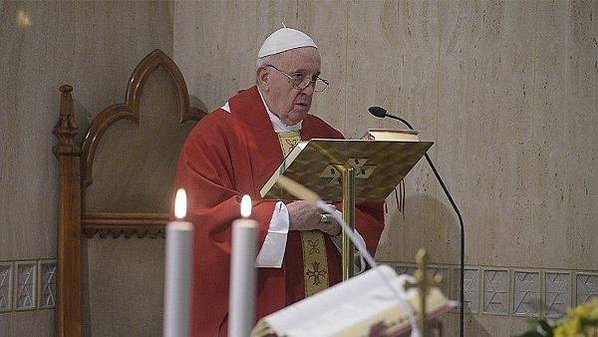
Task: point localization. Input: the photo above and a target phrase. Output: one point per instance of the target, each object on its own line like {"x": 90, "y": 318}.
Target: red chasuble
{"x": 225, "y": 156}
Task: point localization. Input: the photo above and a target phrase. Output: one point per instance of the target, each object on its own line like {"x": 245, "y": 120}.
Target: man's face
{"x": 288, "y": 103}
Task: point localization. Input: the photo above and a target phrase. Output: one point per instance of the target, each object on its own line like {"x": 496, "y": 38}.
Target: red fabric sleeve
{"x": 207, "y": 173}
{"x": 209, "y": 176}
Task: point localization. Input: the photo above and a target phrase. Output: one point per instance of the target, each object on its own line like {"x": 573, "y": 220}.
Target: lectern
{"x": 351, "y": 170}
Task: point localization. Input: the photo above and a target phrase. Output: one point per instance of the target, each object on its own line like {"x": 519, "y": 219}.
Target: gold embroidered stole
{"x": 315, "y": 264}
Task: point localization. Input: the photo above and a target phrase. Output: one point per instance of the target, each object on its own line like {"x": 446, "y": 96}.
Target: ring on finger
{"x": 324, "y": 218}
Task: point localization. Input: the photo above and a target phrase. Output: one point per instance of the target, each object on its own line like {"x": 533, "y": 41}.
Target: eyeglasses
{"x": 300, "y": 81}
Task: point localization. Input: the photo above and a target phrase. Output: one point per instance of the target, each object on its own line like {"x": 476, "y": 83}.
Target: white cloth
{"x": 275, "y": 243}
{"x": 272, "y": 252}
{"x": 225, "y": 107}
{"x": 285, "y": 39}
{"x": 278, "y": 125}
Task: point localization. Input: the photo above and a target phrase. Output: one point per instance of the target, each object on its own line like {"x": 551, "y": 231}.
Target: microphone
{"x": 378, "y": 111}
{"x": 382, "y": 113}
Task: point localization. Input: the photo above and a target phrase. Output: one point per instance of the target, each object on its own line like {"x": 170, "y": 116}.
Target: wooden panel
{"x": 69, "y": 216}
{"x": 127, "y": 224}
{"x": 134, "y": 164}
{"x": 158, "y": 101}
{"x": 129, "y": 110}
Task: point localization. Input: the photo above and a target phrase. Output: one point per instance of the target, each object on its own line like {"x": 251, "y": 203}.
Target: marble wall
{"x": 508, "y": 90}
{"x": 93, "y": 46}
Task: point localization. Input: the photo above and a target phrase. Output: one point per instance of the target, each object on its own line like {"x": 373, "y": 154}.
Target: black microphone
{"x": 377, "y": 111}
{"x": 382, "y": 113}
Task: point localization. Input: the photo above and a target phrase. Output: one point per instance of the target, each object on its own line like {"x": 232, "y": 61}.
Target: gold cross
{"x": 423, "y": 283}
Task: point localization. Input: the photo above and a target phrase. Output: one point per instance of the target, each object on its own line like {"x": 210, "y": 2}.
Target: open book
{"x": 391, "y": 135}
{"x": 353, "y": 308}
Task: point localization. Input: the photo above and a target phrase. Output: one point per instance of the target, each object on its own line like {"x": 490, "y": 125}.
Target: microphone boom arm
{"x": 381, "y": 113}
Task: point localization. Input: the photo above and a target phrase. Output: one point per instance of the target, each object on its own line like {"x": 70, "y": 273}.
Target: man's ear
{"x": 263, "y": 78}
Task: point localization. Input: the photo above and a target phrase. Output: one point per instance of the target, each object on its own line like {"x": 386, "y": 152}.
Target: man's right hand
{"x": 304, "y": 216}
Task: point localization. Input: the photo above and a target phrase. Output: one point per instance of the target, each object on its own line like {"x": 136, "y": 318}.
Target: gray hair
{"x": 270, "y": 59}
{"x": 266, "y": 60}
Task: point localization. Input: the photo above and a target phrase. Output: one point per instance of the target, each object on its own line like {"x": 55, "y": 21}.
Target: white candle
{"x": 179, "y": 247}
{"x": 242, "y": 273}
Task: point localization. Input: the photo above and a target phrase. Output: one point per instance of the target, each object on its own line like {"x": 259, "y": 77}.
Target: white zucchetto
{"x": 285, "y": 39}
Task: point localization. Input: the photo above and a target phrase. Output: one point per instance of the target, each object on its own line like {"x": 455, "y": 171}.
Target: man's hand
{"x": 304, "y": 217}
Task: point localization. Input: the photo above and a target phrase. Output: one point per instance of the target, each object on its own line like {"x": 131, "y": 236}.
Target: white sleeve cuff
{"x": 275, "y": 243}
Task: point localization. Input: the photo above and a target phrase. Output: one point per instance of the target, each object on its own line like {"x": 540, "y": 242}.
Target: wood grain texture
{"x": 130, "y": 108}
{"x": 69, "y": 212}
{"x": 139, "y": 225}
{"x": 76, "y": 169}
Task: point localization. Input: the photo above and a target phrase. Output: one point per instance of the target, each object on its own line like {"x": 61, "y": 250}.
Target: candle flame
{"x": 246, "y": 206}
{"x": 180, "y": 204}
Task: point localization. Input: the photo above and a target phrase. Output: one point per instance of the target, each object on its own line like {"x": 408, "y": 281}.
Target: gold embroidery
{"x": 288, "y": 140}
{"x": 317, "y": 273}
{"x": 313, "y": 247}
{"x": 315, "y": 264}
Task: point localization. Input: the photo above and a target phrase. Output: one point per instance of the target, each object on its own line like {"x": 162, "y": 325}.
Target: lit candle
{"x": 242, "y": 273}
{"x": 179, "y": 247}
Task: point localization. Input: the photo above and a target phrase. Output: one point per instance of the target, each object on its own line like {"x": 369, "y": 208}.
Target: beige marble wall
{"x": 508, "y": 91}
{"x": 93, "y": 46}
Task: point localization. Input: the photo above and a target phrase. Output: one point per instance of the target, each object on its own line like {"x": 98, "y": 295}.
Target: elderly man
{"x": 233, "y": 151}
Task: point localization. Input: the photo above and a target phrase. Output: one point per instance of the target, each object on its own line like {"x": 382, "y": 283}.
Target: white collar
{"x": 279, "y": 126}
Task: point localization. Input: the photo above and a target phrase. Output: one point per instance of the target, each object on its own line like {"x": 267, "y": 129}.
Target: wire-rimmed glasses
{"x": 300, "y": 81}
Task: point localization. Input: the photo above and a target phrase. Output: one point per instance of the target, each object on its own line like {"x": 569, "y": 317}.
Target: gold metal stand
{"x": 330, "y": 167}
{"x": 348, "y": 255}
{"x": 423, "y": 283}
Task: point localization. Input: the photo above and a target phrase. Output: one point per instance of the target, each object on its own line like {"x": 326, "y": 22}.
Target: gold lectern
{"x": 349, "y": 170}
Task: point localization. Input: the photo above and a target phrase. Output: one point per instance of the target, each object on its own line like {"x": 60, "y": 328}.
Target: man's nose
{"x": 310, "y": 89}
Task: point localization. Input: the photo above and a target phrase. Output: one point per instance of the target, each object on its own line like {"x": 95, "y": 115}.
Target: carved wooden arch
{"x": 130, "y": 108}
{"x": 75, "y": 175}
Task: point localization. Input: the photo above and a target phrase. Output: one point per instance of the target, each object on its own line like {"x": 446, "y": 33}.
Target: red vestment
{"x": 225, "y": 156}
